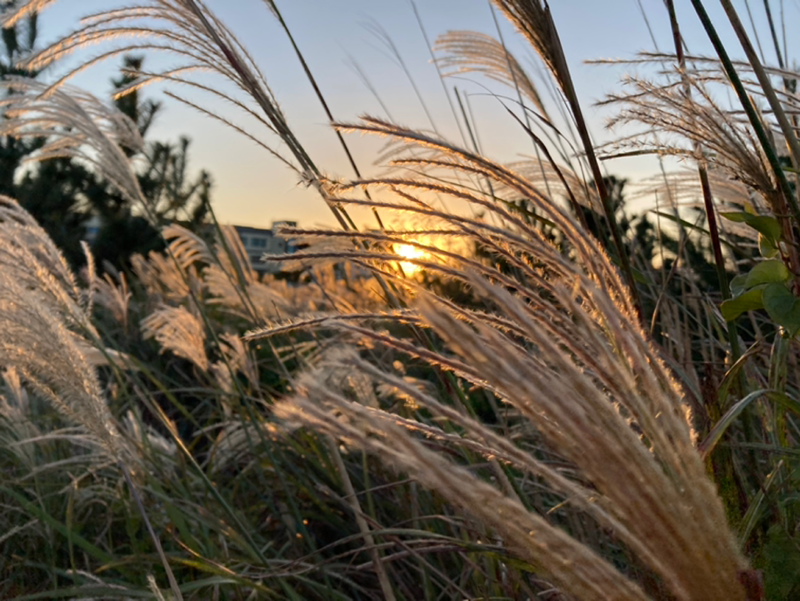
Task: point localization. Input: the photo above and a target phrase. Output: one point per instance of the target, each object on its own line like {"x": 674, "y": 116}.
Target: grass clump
{"x": 538, "y": 395}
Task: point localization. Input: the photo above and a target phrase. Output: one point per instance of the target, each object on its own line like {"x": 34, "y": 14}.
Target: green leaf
{"x": 784, "y": 400}
{"x": 782, "y": 569}
{"x": 738, "y": 284}
{"x": 694, "y": 227}
{"x": 732, "y": 374}
{"x": 725, "y": 421}
{"x": 747, "y": 301}
{"x": 768, "y": 226}
{"x": 767, "y": 272}
{"x": 45, "y": 517}
{"x": 783, "y": 307}
{"x": 767, "y": 247}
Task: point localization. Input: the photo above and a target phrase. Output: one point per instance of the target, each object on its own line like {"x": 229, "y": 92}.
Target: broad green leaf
{"x": 783, "y": 307}
{"x": 767, "y": 247}
{"x": 767, "y": 272}
{"x": 747, "y": 301}
{"x": 738, "y": 284}
{"x": 768, "y": 226}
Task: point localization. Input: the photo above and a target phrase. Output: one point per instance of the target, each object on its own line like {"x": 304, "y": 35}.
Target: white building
{"x": 258, "y": 242}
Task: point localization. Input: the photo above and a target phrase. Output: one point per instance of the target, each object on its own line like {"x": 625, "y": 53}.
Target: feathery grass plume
{"x": 75, "y": 124}
{"x": 189, "y": 31}
{"x": 163, "y": 278}
{"x": 29, "y": 256}
{"x": 112, "y": 293}
{"x": 729, "y": 143}
{"x": 43, "y": 320}
{"x": 146, "y": 435}
{"x": 24, "y": 9}
{"x": 179, "y": 331}
{"x": 186, "y": 246}
{"x": 560, "y": 180}
{"x": 225, "y": 271}
{"x": 238, "y": 359}
{"x": 561, "y": 344}
{"x": 38, "y": 343}
{"x": 17, "y": 421}
{"x": 533, "y": 20}
{"x": 475, "y": 52}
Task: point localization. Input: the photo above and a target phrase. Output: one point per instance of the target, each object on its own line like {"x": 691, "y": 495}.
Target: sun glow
{"x": 409, "y": 251}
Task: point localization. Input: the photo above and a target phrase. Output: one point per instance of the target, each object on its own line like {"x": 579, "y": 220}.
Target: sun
{"x": 408, "y": 251}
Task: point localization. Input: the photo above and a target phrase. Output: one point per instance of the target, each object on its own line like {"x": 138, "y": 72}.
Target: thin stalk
{"x": 369, "y": 540}
{"x": 472, "y": 136}
{"x": 173, "y": 584}
{"x": 774, "y": 34}
{"x": 744, "y": 99}
{"x": 708, "y": 201}
{"x": 519, "y": 96}
{"x": 787, "y": 83}
{"x": 275, "y": 117}
{"x": 438, "y": 68}
{"x": 583, "y": 132}
{"x": 312, "y": 80}
{"x": 769, "y": 93}
{"x": 755, "y": 30}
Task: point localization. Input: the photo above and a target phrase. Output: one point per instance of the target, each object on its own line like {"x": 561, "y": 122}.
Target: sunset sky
{"x": 252, "y": 188}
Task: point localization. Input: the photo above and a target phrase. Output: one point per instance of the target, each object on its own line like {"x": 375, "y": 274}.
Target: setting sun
{"x": 409, "y": 251}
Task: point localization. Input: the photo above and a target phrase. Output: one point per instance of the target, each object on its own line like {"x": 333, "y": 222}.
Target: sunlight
{"x": 409, "y": 251}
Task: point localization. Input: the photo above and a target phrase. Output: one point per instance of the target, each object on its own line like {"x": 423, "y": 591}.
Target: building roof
{"x": 246, "y": 229}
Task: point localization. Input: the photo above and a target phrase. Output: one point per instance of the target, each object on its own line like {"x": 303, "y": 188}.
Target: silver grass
{"x": 164, "y": 279}
{"x": 682, "y": 189}
{"x": 225, "y": 272}
{"x": 233, "y": 444}
{"x": 147, "y": 436}
{"x": 472, "y": 51}
{"x": 560, "y": 180}
{"x": 563, "y": 347}
{"x": 533, "y": 20}
{"x": 559, "y": 341}
{"x": 178, "y": 331}
{"x": 29, "y": 257}
{"x": 17, "y": 423}
{"x": 237, "y": 359}
{"x": 112, "y": 293}
{"x": 682, "y": 122}
{"x": 39, "y": 345}
{"x": 44, "y": 319}
{"x": 74, "y": 124}
{"x": 189, "y": 32}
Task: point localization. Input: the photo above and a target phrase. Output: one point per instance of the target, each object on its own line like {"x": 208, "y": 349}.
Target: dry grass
{"x": 532, "y": 399}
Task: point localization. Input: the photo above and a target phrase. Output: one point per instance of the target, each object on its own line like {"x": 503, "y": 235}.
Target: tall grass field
{"x": 487, "y": 381}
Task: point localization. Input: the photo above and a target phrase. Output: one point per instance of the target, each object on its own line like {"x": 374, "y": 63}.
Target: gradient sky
{"x": 252, "y": 188}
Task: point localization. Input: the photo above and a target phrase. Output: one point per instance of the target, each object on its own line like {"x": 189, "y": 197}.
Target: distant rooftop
{"x": 260, "y": 241}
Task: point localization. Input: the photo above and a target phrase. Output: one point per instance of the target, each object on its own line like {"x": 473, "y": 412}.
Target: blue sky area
{"x": 252, "y": 188}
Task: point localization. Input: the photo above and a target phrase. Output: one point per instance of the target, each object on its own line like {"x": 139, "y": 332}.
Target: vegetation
{"x": 64, "y": 195}
{"x": 539, "y": 396}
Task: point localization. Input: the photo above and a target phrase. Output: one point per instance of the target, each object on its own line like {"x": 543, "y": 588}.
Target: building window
{"x": 244, "y": 240}
{"x": 259, "y": 243}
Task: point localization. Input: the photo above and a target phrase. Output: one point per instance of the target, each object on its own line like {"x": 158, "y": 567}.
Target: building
{"x": 258, "y": 242}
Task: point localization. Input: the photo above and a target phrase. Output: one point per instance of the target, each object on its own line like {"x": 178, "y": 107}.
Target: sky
{"x": 252, "y": 188}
